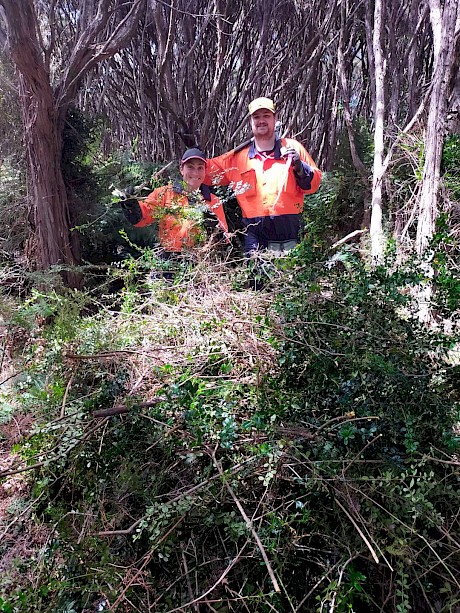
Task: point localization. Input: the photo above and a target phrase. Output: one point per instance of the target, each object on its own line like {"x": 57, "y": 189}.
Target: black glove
{"x": 295, "y": 159}
{"x": 210, "y": 222}
{"x": 131, "y": 210}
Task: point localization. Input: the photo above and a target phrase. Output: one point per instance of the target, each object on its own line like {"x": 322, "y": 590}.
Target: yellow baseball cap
{"x": 261, "y": 103}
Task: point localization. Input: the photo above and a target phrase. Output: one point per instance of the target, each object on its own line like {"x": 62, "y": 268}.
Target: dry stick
{"x": 5, "y": 341}
{"x": 122, "y": 408}
{"x": 411, "y": 530}
{"x": 153, "y": 177}
{"x": 121, "y": 532}
{"x": 111, "y": 354}
{"x": 360, "y": 532}
{"x": 369, "y": 443}
{"x": 187, "y": 578}
{"x": 305, "y": 598}
{"x": 451, "y": 463}
{"x": 342, "y": 570}
{"x": 148, "y": 557}
{"x": 18, "y": 517}
{"x": 221, "y": 578}
{"x": 12, "y": 376}
{"x": 66, "y": 393}
{"x": 344, "y": 420}
{"x": 373, "y": 541}
{"x": 348, "y": 237}
{"x": 450, "y": 537}
{"x": 249, "y": 525}
{"x": 171, "y": 585}
{"x": 425, "y": 596}
{"x": 129, "y": 530}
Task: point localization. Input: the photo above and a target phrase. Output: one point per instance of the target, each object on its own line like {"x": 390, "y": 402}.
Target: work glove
{"x": 210, "y": 222}
{"x": 290, "y": 152}
{"x": 130, "y": 207}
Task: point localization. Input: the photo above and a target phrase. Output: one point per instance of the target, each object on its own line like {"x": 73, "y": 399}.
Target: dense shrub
{"x": 289, "y": 449}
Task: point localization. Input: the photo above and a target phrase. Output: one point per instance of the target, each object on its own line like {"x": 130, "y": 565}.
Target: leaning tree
{"x": 53, "y": 45}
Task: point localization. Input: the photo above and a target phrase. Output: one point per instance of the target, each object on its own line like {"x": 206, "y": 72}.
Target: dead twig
{"x": 368, "y": 444}
{"x": 147, "y": 559}
{"x": 122, "y": 408}
{"x": 248, "y": 524}
{"x": 66, "y": 393}
{"x": 348, "y": 237}
{"x": 212, "y": 588}
{"x": 129, "y": 530}
{"x": 360, "y": 532}
{"x": 187, "y": 578}
{"x": 17, "y": 471}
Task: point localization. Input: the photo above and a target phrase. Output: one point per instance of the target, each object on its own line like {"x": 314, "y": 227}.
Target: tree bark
{"x": 48, "y": 196}
{"x": 43, "y": 140}
{"x": 435, "y": 131}
{"x": 376, "y": 230}
{"x": 44, "y": 111}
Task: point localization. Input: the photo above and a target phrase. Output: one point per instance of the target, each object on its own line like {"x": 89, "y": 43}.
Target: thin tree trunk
{"x": 376, "y": 230}
{"x": 342, "y": 78}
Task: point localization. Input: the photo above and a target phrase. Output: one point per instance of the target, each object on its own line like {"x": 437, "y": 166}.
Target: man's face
{"x": 193, "y": 172}
{"x": 263, "y": 123}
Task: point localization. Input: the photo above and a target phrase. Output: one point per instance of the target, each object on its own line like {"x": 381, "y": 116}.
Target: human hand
{"x": 290, "y": 152}
{"x": 131, "y": 209}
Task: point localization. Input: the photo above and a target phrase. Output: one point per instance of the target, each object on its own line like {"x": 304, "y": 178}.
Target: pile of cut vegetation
{"x": 199, "y": 445}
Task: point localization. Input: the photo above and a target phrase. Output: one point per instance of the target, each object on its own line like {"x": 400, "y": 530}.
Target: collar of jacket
{"x": 205, "y": 190}
{"x": 277, "y": 151}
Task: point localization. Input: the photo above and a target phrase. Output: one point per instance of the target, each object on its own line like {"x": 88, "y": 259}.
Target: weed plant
{"x": 198, "y": 444}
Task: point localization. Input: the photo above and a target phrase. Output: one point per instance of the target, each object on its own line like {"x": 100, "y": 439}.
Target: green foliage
{"x": 324, "y": 210}
{"x": 10, "y": 113}
{"x": 364, "y": 353}
{"x": 351, "y": 192}
{"x": 451, "y": 165}
{"x": 339, "y": 450}
{"x": 13, "y": 229}
{"x": 90, "y": 180}
{"x": 446, "y": 264}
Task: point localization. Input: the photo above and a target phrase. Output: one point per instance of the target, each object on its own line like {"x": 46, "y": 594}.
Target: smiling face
{"x": 263, "y": 124}
{"x": 193, "y": 172}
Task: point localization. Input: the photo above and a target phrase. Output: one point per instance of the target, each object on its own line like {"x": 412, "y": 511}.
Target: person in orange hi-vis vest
{"x": 168, "y": 205}
{"x": 270, "y": 177}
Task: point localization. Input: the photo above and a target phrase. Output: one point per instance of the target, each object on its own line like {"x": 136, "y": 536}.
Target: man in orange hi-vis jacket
{"x": 270, "y": 176}
{"x": 169, "y": 204}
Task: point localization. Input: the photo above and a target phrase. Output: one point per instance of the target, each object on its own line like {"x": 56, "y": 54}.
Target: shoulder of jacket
{"x": 159, "y": 193}
{"x": 243, "y": 145}
{"x": 291, "y": 142}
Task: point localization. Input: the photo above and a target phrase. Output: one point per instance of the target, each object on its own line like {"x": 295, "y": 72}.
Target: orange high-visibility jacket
{"x": 263, "y": 186}
{"x": 174, "y": 231}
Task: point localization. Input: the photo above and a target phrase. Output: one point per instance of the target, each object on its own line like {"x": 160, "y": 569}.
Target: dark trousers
{"x": 261, "y": 231}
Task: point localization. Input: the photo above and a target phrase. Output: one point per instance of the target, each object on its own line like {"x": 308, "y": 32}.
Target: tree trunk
{"x": 436, "y": 124}
{"x": 44, "y": 109}
{"x": 43, "y": 142}
{"x": 376, "y": 230}
{"x": 49, "y": 202}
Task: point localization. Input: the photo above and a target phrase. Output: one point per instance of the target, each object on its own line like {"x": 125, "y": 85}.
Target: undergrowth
{"x": 201, "y": 446}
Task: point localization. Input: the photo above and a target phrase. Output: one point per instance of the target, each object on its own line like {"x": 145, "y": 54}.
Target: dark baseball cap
{"x": 193, "y": 153}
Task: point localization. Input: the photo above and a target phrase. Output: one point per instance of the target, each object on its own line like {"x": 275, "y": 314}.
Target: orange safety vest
{"x": 263, "y": 186}
{"x": 174, "y": 231}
